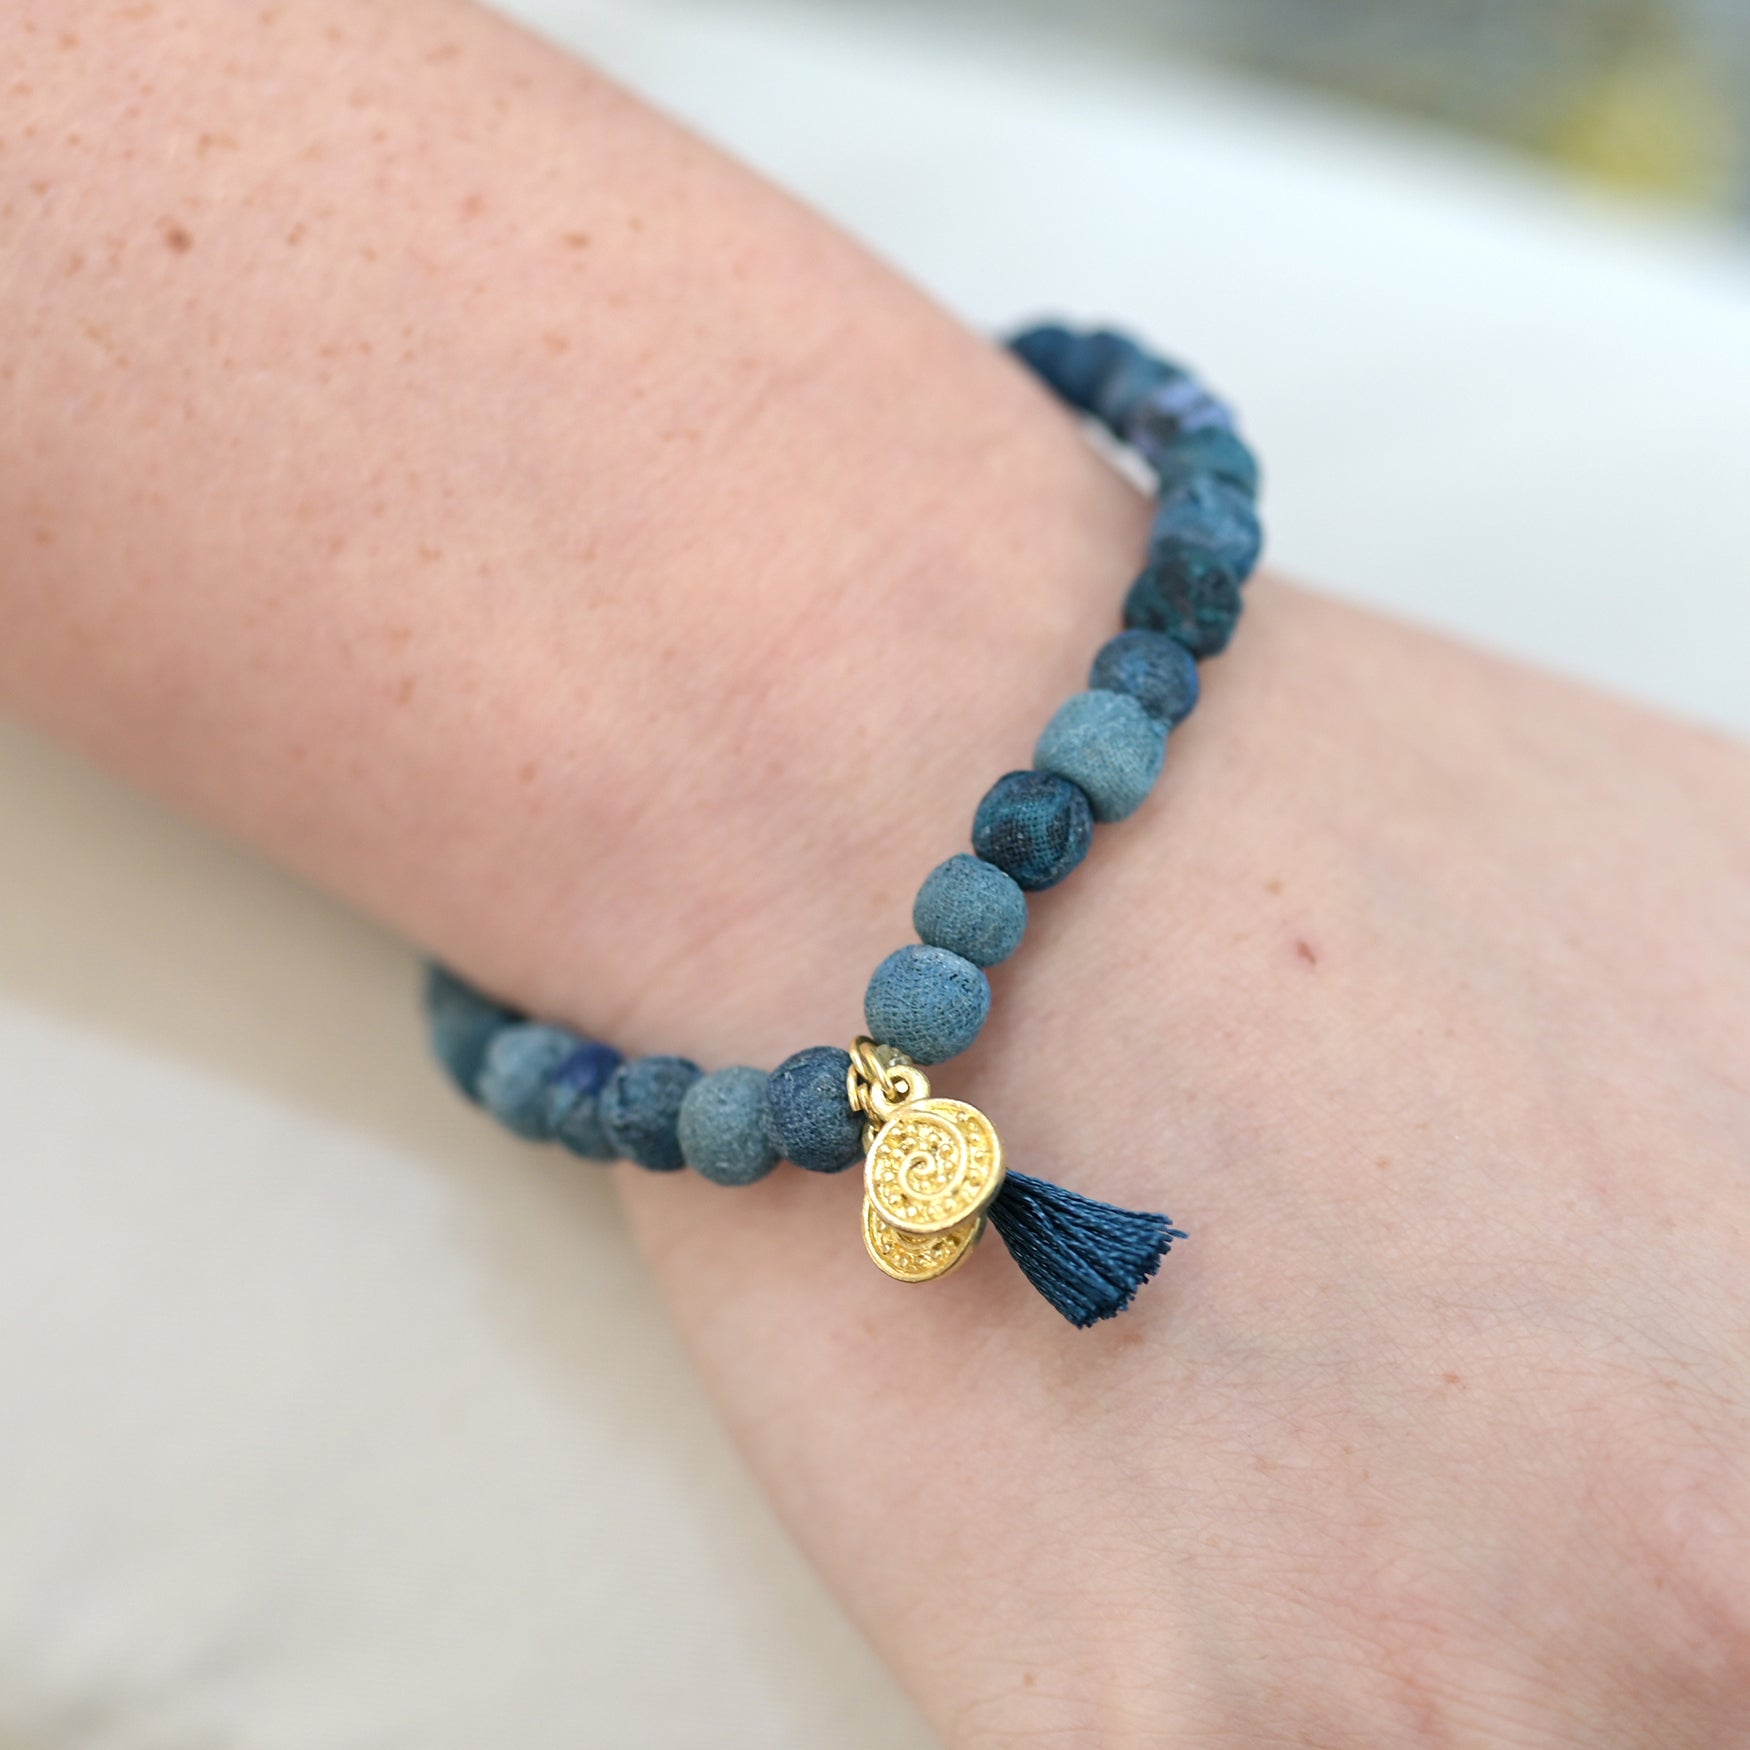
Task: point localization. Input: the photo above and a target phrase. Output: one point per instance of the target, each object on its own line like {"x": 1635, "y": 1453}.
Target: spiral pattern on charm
{"x": 934, "y": 1165}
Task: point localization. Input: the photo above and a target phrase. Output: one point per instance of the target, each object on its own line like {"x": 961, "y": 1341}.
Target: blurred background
{"x": 1648, "y": 96}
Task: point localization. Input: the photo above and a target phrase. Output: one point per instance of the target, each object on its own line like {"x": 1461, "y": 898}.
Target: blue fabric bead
{"x": 1215, "y": 453}
{"x": 462, "y": 1024}
{"x": 515, "y": 1075}
{"x": 1198, "y": 605}
{"x": 927, "y": 1002}
{"x": 1133, "y": 379}
{"x": 1073, "y": 365}
{"x": 808, "y": 1115}
{"x": 971, "y": 908}
{"x": 723, "y": 1127}
{"x": 574, "y": 1107}
{"x": 1171, "y": 411}
{"x": 1209, "y": 516}
{"x": 641, "y": 1108}
{"x": 1155, "y": 670}
{"x": 1205, "y": 542}
{"x": 1035, "y": 826}
{"x": 1108, "y": 747}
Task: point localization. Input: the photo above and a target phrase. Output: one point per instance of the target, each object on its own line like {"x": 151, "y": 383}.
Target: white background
{"x": 334, "y": 1420}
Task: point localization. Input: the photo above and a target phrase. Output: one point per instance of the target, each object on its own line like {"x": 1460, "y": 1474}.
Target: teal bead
{"x": 1215, "y": 453}
{"x": 517, "y": 1073}
{"x": 1108, "y": 746}
{"x": 971, "y": 908}
{"x": 722, "y": 1127}
{"x": 928, "y": 1003}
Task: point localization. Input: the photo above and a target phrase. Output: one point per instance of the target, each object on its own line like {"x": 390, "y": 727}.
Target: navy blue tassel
{"x": 1087, "y": 1258}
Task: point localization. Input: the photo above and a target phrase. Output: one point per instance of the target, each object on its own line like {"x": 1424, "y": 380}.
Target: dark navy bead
{"x": 1155, "y": 670}
{"x": 1045, "y": 350}
{"x": 463, "y": 1023}
{"x": 971, "y": 908}
{"x": 723, "y": 1127}
{"x": 1034, "y": 826}
{"x": 1209, "y": 516}
{"x": 1074, "y": 365}
{"x": 808, "y": 1113}
{"x": 1198, "y": 605}
{"x": 928, "y": 1003}
{"x": 514, "y": 1080}
{"x": 1108, "y": 747}
{"x": 574, "y": 1108}
{"x": 641, "y": 1108}
{"x": 1215, "y": 453}
{"x": 1204, "y": 544}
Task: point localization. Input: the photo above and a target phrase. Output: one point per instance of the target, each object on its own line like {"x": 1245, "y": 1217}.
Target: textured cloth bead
{"x": 927, "y": 1002}
{"x": 1204, "y": 545}
{"x": 462, "y": 1024}
{"x": 1213, "y": 453}
{"x": 514, "y": 1077}
{"x": 808, "y": 1117}
{"x": 1210, "y": 517}
{"x": 723, "y": 1127}
{"x": 1035, "y": 826}
{"x": 574, "y": 1107}
{"x": 1074, "y": 365}
{"x": 641, "y": 1108}
{"x": 1108, "y": 747}
{"x": 971, "y": 908}
{"x": 1176, "y": 408}
{"x": 1155, "y": 670}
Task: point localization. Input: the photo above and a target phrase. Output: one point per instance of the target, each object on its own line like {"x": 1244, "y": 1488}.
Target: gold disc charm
{"x": 933, "y": 1165}
{"x": 932, "y": 1169}
{"x": 917, "y": 1257}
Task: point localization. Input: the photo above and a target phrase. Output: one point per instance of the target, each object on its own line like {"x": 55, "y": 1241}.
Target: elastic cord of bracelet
{"x": 1096, "y": 761}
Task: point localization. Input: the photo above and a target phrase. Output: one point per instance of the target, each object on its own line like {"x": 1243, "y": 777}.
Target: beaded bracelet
{"x": 933, "y": 1168}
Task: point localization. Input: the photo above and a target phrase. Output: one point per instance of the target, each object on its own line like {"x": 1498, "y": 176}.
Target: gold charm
{"x": 933, "y": 1166}
{"x": 917, "y": 1257}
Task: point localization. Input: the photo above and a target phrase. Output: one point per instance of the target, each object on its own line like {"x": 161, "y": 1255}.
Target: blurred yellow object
{"x": 1653, "y": 124}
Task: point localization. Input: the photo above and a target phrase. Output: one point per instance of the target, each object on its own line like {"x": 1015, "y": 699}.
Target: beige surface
{"x": 334, "y": 1419}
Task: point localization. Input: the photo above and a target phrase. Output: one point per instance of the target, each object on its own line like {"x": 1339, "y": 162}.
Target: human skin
{"x": 427, "y": 464}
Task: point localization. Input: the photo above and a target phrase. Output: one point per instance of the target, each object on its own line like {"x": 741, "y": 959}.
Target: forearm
{"x": 423, "y": 461}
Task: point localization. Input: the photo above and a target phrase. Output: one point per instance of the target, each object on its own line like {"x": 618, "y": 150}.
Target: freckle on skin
{"x": 404, "y": 691}
{"x": 1454, "y": 1379}
{"x": 526, "y": 773}
{"x": 473, "y": 206}
{"x": 1306, "y": 951}
{"x": 1274, "y": 885}
{"x": 177, "y": 238}
{"x": 556, "y": 343}
{"x": 576, "y": 240}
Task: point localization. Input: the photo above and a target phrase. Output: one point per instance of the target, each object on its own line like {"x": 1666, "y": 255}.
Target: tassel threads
{"x": 1086, "y": 1257}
